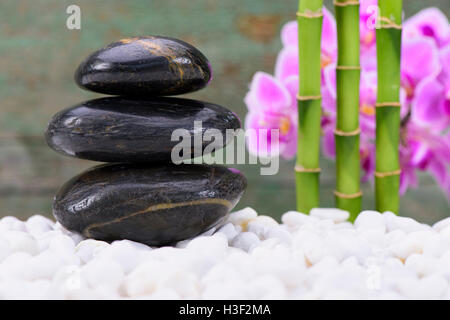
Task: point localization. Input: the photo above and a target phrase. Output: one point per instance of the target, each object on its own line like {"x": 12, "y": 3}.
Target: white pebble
{"x": 261, "y": 226}
{"x": 229, "y": 231}
{"x": 280, "y": 233}
{"x": 294, "y": 219}
{"x": 421, "y": 265}
{"x": 413, "y": 243}
{"x": 336, "y": 215}
{"x": 245, "y": 241}
{"x": 44, "y": 266}
{"x": 64, "y": 247}
{"x": 21, "y": 241}
{"x": 88, "y": 249}
{"x": 124, "y": 252}
{"x": 12, "y": 224}
{"x": 4, "y": 249}
{"x": 314, "y": 250}
{"x": 103, "y": 272}
{"x": 440, "y": 225}
{"x": 15, "y": 265}
{"x": 436, "y": 245}
{"x": 242, "y": 217}
{"x": 44, "y": 240}
{"x": 445, "y": 232}
{"x": 231, "y": 290}
{"x": 151, "y": 277}
{"x": 38, "y": 225}
{"x": 394, "y": 222}
{"x": 267, "y": 287}
{"x": 367, "y": 220}
{"x": 16, "y": 289}
{"x": 429, "y": 288}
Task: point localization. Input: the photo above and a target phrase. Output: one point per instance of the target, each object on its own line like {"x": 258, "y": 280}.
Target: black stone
{"x": 116, "y": 129}
{"x": 155, "y": 205}
{"x": 145, "y": 66}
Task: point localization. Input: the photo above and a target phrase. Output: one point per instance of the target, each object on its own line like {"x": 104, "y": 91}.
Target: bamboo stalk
{"x": 388, "y": 112}
{"x": 309, "y": 19}
{"x": 348, "y": 194}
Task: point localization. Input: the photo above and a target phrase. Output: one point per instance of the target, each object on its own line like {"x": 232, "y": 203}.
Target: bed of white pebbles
{"x": 319, "y": 256}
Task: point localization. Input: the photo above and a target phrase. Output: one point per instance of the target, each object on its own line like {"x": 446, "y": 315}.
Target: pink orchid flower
{"x": 430, "y": 23}
{"x": 431, "y": 107}
{"x": 420, "y": 59}
{"x": 271, "y": 106}
{"x": 423, "y": 150}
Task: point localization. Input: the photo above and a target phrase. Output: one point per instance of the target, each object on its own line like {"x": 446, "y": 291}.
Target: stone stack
{"x": 142, "y": 195}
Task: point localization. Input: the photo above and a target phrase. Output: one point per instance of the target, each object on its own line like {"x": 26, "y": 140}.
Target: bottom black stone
{"x": 153, "y": 204}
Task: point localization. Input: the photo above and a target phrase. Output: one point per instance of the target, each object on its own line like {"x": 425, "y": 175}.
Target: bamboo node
{"x": 386, "y": 23}
{"x": 346, "y": 3}
{"x": 299, "y": 168}
{"x": 347, "y": 134}
{"x": 348, "y": 67}
{"x": 388, "y": 174}
{"x": 348, "y": 196}
{"x": 305, "y": 98}
{"x": 310, "y": 14}
{"x": 388, "y": 104}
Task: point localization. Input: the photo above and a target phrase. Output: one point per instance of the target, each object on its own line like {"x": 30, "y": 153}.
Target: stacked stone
{"x": 142, "y": 195}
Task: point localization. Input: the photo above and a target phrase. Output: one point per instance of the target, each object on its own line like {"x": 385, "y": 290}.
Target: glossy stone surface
{"x": 145, "y": 66}
{"x": 156, "y": 205}
{"x": 126, "y": 130}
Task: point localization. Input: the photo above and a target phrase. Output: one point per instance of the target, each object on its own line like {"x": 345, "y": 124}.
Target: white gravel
{"x": 319, "y": 256}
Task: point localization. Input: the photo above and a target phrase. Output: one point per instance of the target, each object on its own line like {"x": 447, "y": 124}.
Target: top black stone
{"x": 150, "y": 66}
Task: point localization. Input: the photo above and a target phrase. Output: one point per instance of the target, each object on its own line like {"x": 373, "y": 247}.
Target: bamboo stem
{"x": 309, "y": 19}
{"x": 348, "y": 194}
{"x": 388, "y": 112}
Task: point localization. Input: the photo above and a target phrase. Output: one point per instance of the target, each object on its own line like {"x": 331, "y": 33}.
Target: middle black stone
{"x": 120, "y": 129}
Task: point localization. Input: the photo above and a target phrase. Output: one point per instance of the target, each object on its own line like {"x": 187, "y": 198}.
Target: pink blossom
{"x": 431, "y": 107}
{"x": 430, "y": 23}
{"x": 271, "y": 106}
{"x": 420, "y": 59}
{"x": 423, "y": 150}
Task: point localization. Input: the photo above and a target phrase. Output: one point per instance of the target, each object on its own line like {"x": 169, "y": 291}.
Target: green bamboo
{"x": 388, "y": 112}
{"x": 309, "y": 18}
{"x": 348, "y": 195}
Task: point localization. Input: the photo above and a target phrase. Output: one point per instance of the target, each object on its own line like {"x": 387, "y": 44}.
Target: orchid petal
{"x": 289, "y": 34}
{"x": 445, "y": 62}
{"x": 267, "y": 94}
{"x": 428, "y": 105}
{"x": 290, "y": 148}
{"x": 287, "y": 63}
{"x": 420, "y": 59}
{"x": 431, "y": 23}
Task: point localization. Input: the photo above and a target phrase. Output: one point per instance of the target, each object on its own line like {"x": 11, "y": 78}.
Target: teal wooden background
{"x": 39, "y": 55}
